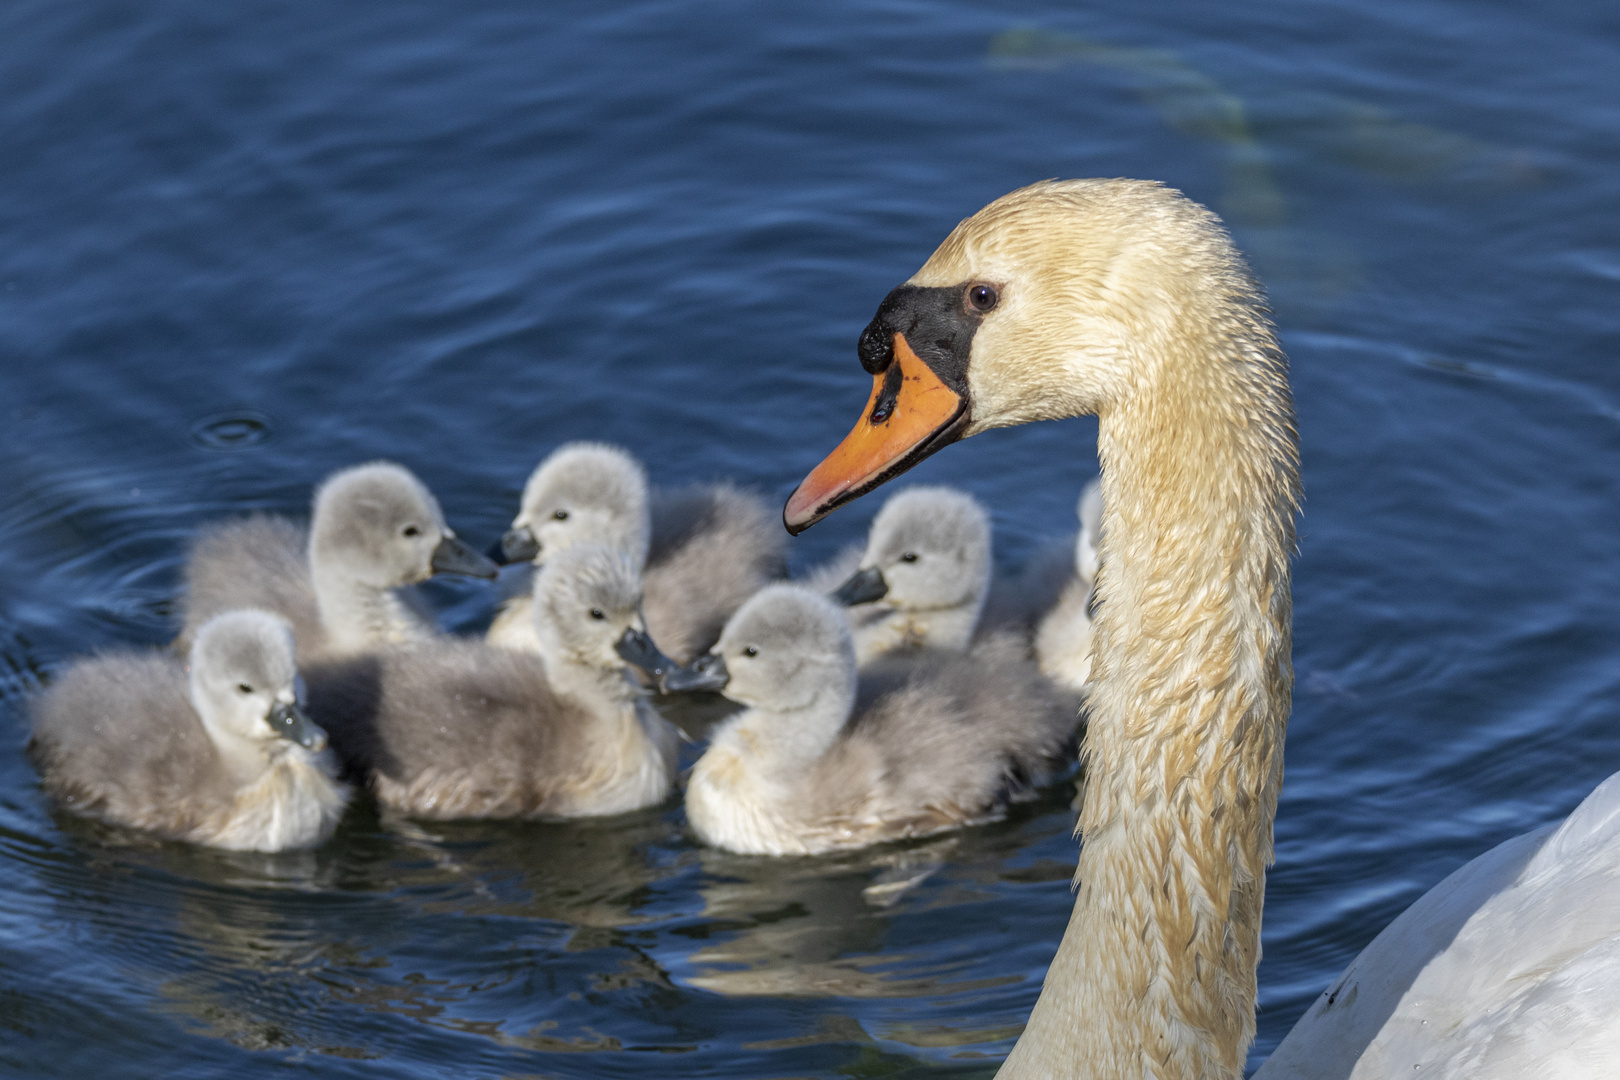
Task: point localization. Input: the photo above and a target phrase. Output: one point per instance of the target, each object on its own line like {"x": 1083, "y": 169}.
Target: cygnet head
{"x": 787, "y": 649}
{"x": 583, "y": 493}
{"x": 929, "y": 550}
{"x": 245, "y": 685}
{"x": 587, "y": 611}
{"x": 378, "y": 525}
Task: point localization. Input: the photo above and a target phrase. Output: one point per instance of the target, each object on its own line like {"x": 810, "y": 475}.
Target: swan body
{"x": 922, "y": 579}
{"x": 1508, "y": 968}
{"x": 221, "y": 756}
{"x": 797, "y": 774}
{"x": 374, "y": 530}
{"x": 463, "y": 729}
{"x": 703, "y": 550}
{"x": 1124, "y": 299}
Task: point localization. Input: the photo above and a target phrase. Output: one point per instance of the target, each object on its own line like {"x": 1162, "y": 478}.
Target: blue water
{"x": 244, "y": 244}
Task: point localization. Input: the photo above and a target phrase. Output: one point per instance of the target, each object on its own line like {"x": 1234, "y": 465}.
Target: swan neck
{"x": 1190, "y": 694}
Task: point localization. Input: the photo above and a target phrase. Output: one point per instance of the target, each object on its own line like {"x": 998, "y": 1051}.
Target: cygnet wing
{"x": 1019, "y": 601}
{"x": 965, "y": 732}
{"x": 115, "y": 737}
{"x": 257, "y": 562}
{"x": 453, "y": 730}
{"x": 712, "y": 548}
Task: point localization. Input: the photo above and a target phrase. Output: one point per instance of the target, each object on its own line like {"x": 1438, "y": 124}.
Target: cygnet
{"x": 924, "y": 575}
{"x": 462, "y": 729}
{"x": 375, "y": 529}
{"x": 1063, "y": 638}
{"x": 795, "y": 774}
{"x": 223, "y": 757}
{"x": 703, "y": 550}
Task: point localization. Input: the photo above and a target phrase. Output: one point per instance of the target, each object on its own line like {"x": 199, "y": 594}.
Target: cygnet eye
{"x": 561, "y": 515}
{"x": 910, "y": 556}
{"x": 410, "y": 530}
{"x": 598, "y": 613}
{"x": 750, "y": 651}
{"x": 982, "y": 297}
{"x": 244, "y": 688}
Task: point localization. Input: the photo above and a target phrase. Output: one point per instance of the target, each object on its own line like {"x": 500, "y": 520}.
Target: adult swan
{"x": 1124, "y": 299}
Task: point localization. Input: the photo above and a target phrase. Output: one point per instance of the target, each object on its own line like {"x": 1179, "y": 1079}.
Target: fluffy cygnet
{"x": 1063, "y": 638}
{"x": 375, "y": 528}
{"x": 461, "y": 729}
{"x": 924, "y": 575}
{"x": 705, "y": 549}
{"x": 794, "y": 774}
{"x": 224, "y": 757}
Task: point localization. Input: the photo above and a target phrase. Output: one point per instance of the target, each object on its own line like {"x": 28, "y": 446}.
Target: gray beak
{"x": 707, "y": 672}
{"x": 454, "y": 557}
{"x": 289, "y": 722}
{"x": 863, "y": 587}
{"x": 636, "y": 648}
{"x": 515, "y": 546}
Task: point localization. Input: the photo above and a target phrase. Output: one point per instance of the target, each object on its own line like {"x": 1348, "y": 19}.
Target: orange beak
{"x": 910, "y": 414}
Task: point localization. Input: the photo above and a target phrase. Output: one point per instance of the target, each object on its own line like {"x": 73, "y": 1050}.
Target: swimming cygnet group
{"x": 883, "y": 713}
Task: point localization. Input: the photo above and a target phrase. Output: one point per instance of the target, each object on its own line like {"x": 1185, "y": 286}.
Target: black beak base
{"x": 290, "y": 723}
{"x": 637, "y": 649}
{"x": 863, "y": 587}
{"x": 707, "y": 672}
{"x": 454, "y": 557}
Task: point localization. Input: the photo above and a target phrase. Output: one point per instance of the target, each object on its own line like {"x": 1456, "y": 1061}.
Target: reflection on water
{"x": 250, "y": 245}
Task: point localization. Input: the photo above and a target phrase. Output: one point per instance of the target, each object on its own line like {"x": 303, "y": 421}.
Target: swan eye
{"x": 750, "y": 651}
{"x": 561, "y": 515}
{"x": 982, "y": 297}
{"x": 244, "y": 688}
{"x": 411, "y": 530}
{"x": 910, "y": 556}
{"x": 597, "y": 613}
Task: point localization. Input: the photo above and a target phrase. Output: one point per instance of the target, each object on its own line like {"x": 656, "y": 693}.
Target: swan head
{"x": 379, "y": 525}
{"x": 1059, "y": 299}
{"x": 587, "y": 609}
{"x": 928, "y": 550}
{"x": 245, "y": 684}
{"x": 582, "y": 493}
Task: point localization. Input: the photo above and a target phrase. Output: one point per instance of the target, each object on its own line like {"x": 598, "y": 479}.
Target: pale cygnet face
{"x": 244, "y": 681}
{"x": 932, "y": 547}
{"x": 381, "y": 526}
{"x": 787, "y": 648}
{"x": 584, "y": 493}
{"x": 587, "y": 600}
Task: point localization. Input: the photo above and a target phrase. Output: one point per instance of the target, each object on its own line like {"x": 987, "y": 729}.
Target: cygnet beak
{"x": 289, "y": 721}
{"x": 707, "y": 672}
{"x": 454, "y": 557}
{"x": 516, "y": 545}
{"x": 863, "y": 587}
{"x": 636, "y": 647}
